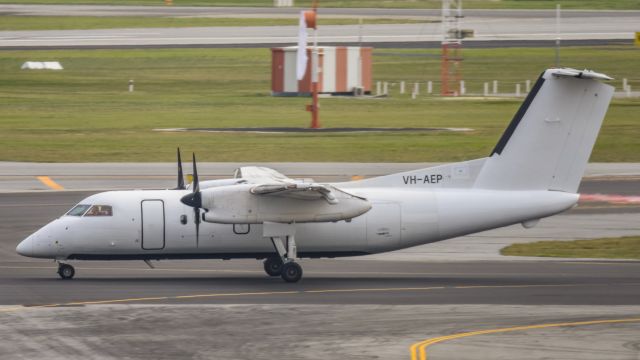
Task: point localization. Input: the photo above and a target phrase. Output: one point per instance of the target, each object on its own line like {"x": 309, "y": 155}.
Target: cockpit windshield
{"x": 78, "y": 210}
{"x": 100, "y": 210}
{"x": 91, "y": 210}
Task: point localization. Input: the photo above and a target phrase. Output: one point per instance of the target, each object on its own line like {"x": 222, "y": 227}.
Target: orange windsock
{"x": 310, "y": 19}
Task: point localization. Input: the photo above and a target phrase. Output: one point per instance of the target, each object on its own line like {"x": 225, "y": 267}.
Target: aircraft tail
{"x": 548, "y": 143}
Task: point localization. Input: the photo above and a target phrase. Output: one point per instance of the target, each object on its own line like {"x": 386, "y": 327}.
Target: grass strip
{"x": 407, "y": 4}
{"x": 605, "y": 248}
{"x": 85, "y": 113}
{"x": 15, "y": 23}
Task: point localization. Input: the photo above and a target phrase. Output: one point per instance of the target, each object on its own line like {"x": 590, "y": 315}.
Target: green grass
{"x": 607, "y": 248}
{"x": 413, "y": 4}
{"x": 98, "y": 22}
{"x": 84, "y": 113}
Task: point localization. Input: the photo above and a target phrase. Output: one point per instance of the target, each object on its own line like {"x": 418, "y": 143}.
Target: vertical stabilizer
{"x": 548, "y": 143}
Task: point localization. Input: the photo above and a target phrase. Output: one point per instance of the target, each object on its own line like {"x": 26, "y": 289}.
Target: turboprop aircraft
{"x": 533, "y": 172}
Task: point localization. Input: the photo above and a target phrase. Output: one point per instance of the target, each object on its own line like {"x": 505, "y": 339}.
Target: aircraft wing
{"x": 303, "y": 191}
{"x": 261, "y": 175}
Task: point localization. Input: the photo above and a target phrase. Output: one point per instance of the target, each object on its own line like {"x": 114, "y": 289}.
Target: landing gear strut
{"x": 66, "y": 271}
{"x": 284, "y": 242}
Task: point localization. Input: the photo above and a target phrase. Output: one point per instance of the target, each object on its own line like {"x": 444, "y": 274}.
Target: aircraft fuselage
{"x": 154, "y": 224}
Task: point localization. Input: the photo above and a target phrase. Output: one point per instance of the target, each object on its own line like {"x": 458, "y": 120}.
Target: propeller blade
{"x": 194, "y": 200}
{"x": 197, "y": 221}
{"x": 180, "y": 174}
{"x": 196, "y": 183}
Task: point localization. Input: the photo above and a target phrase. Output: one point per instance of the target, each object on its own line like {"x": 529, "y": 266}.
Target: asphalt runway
{"x": 339, "y": 281}
{"x": 491, "y": 27}
{"x": 209, "y": 11}
{"x": 344, "y": 308}
{"x": 483, "y": 44}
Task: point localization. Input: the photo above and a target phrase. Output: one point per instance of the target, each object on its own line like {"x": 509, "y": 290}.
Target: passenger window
{"x": 100, "y": 210}
{"x": 78, "y": 210}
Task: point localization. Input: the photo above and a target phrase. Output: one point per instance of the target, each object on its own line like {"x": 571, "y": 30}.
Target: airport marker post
{"x": 310, "y": 19}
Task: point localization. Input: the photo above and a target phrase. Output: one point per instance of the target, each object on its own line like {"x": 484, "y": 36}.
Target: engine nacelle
{"x": 237, "y": 205}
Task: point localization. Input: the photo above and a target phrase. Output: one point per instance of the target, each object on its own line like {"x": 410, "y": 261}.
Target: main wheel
{"x": 66, "y": 271}
{"x": 291, "y": 272}
{"x": 273, "y": 266}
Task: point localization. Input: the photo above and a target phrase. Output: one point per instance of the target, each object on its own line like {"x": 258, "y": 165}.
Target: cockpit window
{"x": 100, "y": 210}
{"x": 78, "y": 210}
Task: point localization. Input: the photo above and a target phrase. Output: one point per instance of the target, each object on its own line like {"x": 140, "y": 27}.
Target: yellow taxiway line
{"x": 50, "y": 183}
{"x": 419, "y": 349}
{"x": 283, "y": 292}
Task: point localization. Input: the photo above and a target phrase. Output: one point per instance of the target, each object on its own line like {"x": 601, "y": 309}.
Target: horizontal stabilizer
{"x": 581, "y": 74}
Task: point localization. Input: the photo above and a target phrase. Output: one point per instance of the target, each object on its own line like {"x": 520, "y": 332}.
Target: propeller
{"x": 195, "y": 200}
{"x": 180, "y": 175}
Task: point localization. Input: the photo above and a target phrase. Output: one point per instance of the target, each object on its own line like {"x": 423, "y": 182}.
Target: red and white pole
{"x": 311, "y": 20}
{"x": 315, "y": 108}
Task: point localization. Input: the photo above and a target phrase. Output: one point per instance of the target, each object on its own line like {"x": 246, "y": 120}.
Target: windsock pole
{"x": 311, "y": 19}
{"x": 315, "y": 120}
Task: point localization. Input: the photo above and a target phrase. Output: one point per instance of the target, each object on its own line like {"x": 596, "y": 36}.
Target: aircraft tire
{"x": 66, "y": 271}
{"x": 273, "y": 266}
{"x": 291, "y": 272}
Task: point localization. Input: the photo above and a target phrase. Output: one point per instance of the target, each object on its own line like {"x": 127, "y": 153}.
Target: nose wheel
{"x": 66, "y": 271}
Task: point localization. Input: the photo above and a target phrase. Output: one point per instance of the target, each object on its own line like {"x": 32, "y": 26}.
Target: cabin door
{"x": 153, "y": 231}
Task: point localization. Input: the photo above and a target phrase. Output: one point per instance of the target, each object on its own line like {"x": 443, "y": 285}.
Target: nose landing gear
{"x": 66, "y": 271}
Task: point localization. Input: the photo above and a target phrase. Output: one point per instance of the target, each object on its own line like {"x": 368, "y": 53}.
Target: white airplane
{"x": 533, "y": 172}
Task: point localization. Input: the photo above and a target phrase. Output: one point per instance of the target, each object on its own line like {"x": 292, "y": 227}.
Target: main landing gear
{"x": 284, "y": 265}
{"x": 66, "y": 271}
{"x": 273, "y": 266}
{"x": 283, "y": 239}
{"x": 290, "y": 272}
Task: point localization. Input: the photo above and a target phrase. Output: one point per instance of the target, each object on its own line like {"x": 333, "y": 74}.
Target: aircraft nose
{"x": 25, "y": 248}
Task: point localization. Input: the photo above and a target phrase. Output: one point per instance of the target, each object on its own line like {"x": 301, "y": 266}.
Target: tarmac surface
{"x": 519, "y": 26}
{"x": 292, "y": 12}
{"x": 386, "y": 306}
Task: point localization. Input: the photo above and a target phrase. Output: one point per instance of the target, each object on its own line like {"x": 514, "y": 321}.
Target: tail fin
{"x": 549, "y": 141}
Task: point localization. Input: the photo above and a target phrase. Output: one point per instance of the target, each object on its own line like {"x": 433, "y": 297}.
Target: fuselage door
{"x": 153, "y": 231}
